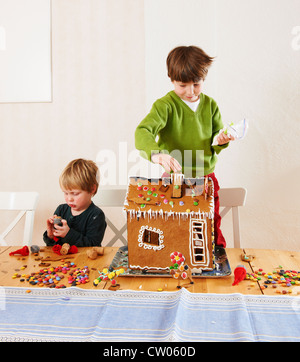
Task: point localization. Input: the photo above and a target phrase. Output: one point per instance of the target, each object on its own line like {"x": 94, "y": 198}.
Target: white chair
{"x": 113, "y": 198}
{"x": 26, "y": 203}
{"x": 232, "y": 199}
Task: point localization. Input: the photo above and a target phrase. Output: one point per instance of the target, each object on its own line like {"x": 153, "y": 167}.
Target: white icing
{"x": 150, "y": 246}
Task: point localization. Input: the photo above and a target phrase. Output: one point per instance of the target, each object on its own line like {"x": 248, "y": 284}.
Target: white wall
{"x": 108, "y": 68}
{"x": 256, "y": 74}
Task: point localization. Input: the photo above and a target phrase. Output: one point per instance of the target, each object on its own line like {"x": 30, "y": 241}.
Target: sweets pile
{"x": 277, "y": 278}
{"x": 52, "y": 277}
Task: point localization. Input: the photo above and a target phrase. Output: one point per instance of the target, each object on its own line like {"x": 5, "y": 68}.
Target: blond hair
{"x": 80, "y": 174}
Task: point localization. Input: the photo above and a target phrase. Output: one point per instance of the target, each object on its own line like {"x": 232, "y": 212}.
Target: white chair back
{"x": 114, "y": 197}
{"x": 26, "y": 203}
{"x": 232, "y": 199}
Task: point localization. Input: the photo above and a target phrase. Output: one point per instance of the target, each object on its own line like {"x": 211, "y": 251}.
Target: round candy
{"x": 181, "y": 203}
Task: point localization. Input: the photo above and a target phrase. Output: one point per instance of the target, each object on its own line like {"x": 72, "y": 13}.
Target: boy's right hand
{"x": 50, "y": 227}
{"x": 168, "y": 162}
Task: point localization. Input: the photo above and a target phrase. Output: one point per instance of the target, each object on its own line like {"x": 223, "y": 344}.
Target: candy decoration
{"x": 73, "y": 250}
{"x": 239, "y": 274}
{"x": 34, "y": 249}
{"x": 56, "y": 249}
{"x": 178, "y": 269}
{"x": 23, "y": 251}
{"x": 64, "y": 249}
{"x": 106, "y": 275}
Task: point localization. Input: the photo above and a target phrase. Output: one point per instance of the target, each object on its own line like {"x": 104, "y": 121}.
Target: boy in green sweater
{"x": 186, "y": 123}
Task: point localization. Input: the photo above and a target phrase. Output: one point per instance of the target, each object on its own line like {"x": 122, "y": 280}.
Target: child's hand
{"x": 168, "y": 162}
{"x": 223, "y": 138}
{"x": 61, "y": 231}
{"x": 50, "y": 227}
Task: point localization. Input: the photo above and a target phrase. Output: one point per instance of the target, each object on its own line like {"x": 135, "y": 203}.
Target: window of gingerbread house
{"x": 151, "y": 238}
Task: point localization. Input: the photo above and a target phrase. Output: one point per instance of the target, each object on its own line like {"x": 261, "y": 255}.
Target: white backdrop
{"x": 108, "y": 66}
{"x": 256, "y": 74}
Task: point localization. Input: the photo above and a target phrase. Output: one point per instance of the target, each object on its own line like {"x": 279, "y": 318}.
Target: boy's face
{"x": 188, "y": 91}
{"x": 78, "y": 200}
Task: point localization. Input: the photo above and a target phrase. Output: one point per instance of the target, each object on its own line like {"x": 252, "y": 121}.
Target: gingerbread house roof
{"x": 169, "y": 197}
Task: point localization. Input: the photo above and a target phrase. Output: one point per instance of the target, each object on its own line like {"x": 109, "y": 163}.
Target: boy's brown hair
{"x": 80, "y": 174}
{"x": 188, "y": 64}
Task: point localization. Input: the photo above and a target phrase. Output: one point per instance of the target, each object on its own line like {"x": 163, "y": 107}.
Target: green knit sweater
{"x": 183, "y": 133}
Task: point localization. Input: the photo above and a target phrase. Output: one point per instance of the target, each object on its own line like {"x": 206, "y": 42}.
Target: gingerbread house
{"x": 167, "y": 215}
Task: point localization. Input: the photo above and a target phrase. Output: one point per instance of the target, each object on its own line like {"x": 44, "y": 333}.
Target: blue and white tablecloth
{"x": 75, "y": 314}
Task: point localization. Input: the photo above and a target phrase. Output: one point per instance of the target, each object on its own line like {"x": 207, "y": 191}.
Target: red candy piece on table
{"x": 239, "y": 274}
{"x": 56, "y": 249}
{"x": 23, "y": 251}
{"x": 73, "y": 250}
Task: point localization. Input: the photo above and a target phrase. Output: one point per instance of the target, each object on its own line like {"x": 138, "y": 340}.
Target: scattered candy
{"x": 49, "y": 276}
{"x": 277, "y": 278}
{"x": 108, "y": 275}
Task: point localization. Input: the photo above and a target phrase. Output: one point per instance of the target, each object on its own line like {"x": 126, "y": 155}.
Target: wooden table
{"x": 268, "y": 260}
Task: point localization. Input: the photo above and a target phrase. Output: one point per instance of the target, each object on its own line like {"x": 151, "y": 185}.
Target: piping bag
{"x": 237, "y": 130}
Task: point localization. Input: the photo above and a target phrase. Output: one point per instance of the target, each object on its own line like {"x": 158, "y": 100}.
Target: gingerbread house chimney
{"x": 177, "y": 180}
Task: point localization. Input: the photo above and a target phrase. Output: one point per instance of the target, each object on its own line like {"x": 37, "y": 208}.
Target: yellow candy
{"x": 111, "y": 275}
{"x": 105, "y": 271}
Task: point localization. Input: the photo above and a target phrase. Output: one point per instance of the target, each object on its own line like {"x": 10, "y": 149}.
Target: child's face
{"x": 188, "y": 91}
{"x": 78, "y": 200}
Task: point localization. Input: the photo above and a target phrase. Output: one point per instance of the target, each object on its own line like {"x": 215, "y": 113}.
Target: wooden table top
{"x": 267, "y": 260}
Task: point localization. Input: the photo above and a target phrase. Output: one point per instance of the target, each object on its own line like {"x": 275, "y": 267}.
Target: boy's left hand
{"x": 61, "y": 231}
{"x": 223, "y": 138}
